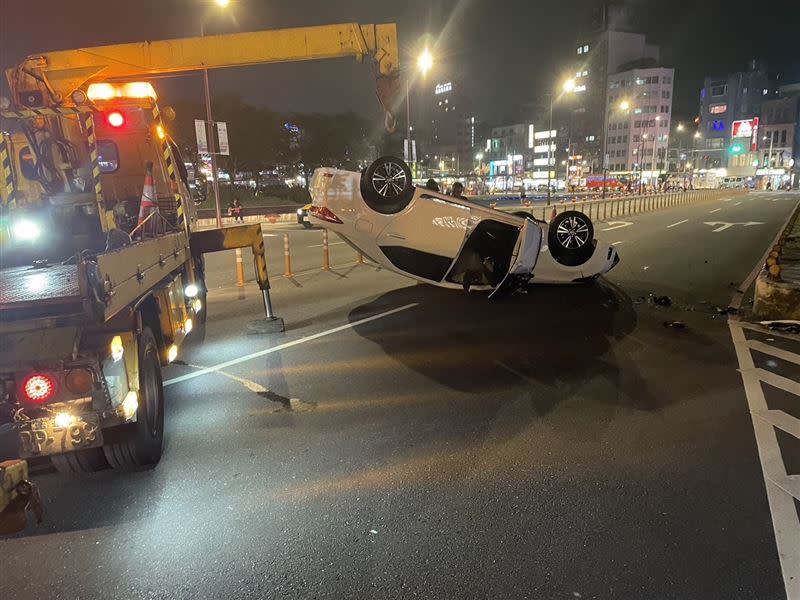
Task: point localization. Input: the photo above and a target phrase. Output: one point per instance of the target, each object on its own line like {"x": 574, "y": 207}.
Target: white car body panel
{"x": 440, "y": 226}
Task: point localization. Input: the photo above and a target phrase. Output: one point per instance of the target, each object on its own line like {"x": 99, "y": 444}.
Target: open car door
{"x": 523, "y": 260}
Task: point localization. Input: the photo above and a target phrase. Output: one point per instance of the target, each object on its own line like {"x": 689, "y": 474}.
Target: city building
{"x": 638, "y": 121}
{"x": 779, "y": 139}
{"x": 729, "y": 121}
{"x": 451, "y": 131}
{"x": 611, "y": 46}
{"x": 508, "y": 153}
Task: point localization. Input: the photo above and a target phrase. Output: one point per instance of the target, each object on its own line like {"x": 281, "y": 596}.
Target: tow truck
{"x": 101, "y": 263}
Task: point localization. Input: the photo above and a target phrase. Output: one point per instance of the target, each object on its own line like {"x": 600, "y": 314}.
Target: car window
{"x": 107, "y": 156}
{"x": 416, "y": 262}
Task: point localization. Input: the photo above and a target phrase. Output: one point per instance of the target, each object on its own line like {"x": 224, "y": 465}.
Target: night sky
{"x": 504, "y": 52}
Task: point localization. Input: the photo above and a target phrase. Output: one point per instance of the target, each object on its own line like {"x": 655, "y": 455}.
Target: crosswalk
{"x": 769, "y": 363}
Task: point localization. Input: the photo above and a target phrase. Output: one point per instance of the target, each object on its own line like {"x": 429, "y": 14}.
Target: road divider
{"x": 287, "y": 258}
{"x": 777, "y": 292}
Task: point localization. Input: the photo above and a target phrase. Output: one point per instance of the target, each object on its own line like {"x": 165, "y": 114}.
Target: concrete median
{"x": 777, "y": 288}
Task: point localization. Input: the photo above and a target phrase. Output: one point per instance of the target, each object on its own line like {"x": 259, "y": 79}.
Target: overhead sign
{"x": 222, "y": 134}
{"x": 200, "y": 134}
{"x": 442, "y": 88}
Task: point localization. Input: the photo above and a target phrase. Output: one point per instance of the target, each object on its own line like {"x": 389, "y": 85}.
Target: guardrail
{"x": 621, "y": 206}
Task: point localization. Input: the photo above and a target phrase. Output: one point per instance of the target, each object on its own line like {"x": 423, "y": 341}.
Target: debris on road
{"x": 728, "y": 310}
{"x": 675, "y": 324}
{"x": 662, "y": 300}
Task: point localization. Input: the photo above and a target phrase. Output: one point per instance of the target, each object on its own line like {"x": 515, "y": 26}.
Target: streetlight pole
{"x": 211, "y": 138}
{"x": 549, "y": 148}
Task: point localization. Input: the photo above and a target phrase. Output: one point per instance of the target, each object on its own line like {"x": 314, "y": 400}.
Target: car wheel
{"x": 571, "y": 238}
{"x": 140, "y": 444}
{"x": 386, "y": 185}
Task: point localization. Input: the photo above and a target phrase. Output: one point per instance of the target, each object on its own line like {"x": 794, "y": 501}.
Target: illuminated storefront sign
{"x": 746, "y": 129}
{"x": 442, "y": 88}
{"x": 718, "y": 109}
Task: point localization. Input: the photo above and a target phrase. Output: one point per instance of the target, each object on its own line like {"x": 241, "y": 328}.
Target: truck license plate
{"x": 43, "y": 438}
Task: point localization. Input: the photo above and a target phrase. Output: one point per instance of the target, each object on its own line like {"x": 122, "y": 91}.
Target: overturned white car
{"x": 448, "y": 241}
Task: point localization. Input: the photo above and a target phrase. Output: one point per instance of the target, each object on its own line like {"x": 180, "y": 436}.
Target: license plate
{"x": 41, "y": 437}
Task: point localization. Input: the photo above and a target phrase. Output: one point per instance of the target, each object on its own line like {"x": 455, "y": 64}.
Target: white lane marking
{"x": 329, "y": 244}
{"x": 737, "y": 203}
{"x": 270, "y": 234}
{"x": 618, "y": 243}
{"x": 278, "y": 348}
{"x": 678, "y": 223}
{"x": 715, "y": 210}
{"x": 250, "y": 385}
{"x": 727, "y": 199}
{"x": 617, "y": 225}
{"x": 773, "y": 351}
{"x": 644, "y": 268}
{"x": 780, "y": 487}
{"x": 723, "y": 225}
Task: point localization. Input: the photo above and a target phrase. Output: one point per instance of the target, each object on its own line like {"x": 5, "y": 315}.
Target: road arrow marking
{"x": 617, "y": 225}
{"x": 722, "y": 225}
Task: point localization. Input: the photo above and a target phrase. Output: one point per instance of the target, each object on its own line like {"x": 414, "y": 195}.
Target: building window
{"x": 580, "y": 49}
{"x": 586, "y": 50}
{"x": 665, "y": 94}
{"x": 783, "y": 137}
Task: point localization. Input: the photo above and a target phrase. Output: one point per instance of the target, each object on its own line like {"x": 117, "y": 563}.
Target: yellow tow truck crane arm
{"x": 51, "y": 79}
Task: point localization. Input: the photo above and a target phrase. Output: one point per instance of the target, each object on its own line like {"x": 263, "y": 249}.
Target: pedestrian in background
{"x": 432, "y": 185}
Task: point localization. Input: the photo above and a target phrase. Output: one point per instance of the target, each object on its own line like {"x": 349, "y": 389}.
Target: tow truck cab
{"x": 97, "y": 288}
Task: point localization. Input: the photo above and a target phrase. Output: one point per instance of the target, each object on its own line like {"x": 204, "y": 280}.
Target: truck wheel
{"x": 386, "y": 185}
{"x": 570, "y": 238}
{"x": 140, "y": 444}
{"x": 88, "y": 460}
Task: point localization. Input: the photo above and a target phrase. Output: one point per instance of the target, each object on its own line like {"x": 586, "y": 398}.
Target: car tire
{"x": 79, "y": 462}
{"x": 570, "y": 238}
{"x": 140, "y": 444}
{"x": 386, "y": 185}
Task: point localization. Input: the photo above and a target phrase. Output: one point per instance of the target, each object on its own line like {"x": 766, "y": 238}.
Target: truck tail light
{"x": 38, "y": 388}
{"x": 116, "y": 119}
{"x": 324, "y": 213}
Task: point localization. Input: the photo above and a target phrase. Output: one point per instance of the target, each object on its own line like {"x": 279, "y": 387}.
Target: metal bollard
{"x": 287, "y": 259}
{"x": 239, "y": 268}
{"x": 326, "y": 259}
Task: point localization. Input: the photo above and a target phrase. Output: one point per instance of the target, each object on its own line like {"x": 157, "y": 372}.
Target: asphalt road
{"x": 404, "y": 441}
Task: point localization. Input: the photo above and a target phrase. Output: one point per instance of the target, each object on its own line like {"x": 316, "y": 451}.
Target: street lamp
{"x": 680, "y": 127}
{"x": 211, "y": 139}
{"x": 424, "y": 64}
{"x": 425, "y": 61}
{"x": 624, "y": 106}
{"x": 567, "y": 86}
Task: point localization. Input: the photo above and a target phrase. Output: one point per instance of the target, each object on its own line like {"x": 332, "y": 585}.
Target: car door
{"x": 424, "y": 239}
{"x": 526, "y": 253}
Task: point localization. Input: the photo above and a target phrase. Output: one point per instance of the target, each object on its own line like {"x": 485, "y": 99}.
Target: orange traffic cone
{"x": 553, "y": 214}
{"x": 148, "y": 204}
